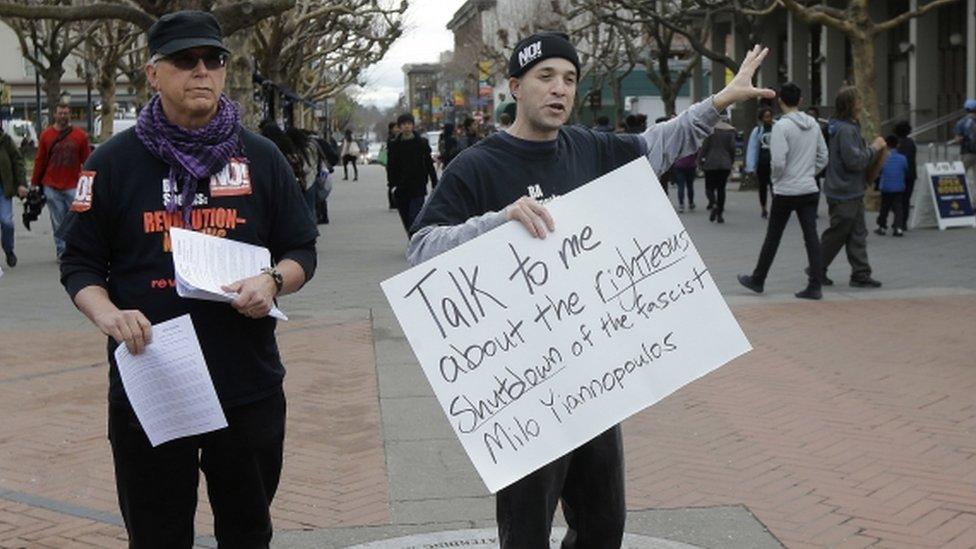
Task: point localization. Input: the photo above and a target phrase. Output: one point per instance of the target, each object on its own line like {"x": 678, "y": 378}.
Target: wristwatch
{"x": 275, "y": 275}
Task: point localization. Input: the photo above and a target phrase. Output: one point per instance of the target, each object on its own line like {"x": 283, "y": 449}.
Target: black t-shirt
{"x": 122, "y": 243}
{"x": 502, "y": 168}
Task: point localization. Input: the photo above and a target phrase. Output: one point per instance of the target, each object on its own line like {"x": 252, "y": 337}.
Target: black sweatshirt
{"x": 122, "y": 244}
{"x": 410, "y": 165}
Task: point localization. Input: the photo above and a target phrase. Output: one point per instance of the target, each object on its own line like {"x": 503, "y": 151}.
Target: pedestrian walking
{"x": 824, "y": 130}
{"x": 797, "y": 153}
{"x": 410, "y": 168}
{"x": 847, "y": 168}
{"x": 391, "y": 133}
{"x": 14, "y": 183}
{"x": 603, "y": 124}
{"x": 684, "y": 171}
{"x": 504, "y": 122}
{"x": 907, "y": 147}
{"x": 190, "y": 163}
{"x": 506, "y": 178}
{"x": 469, "y": 133}
{"x": 716, "y": 157}
{"x": 350, "y": 155}
{"x": 448, "y": 146}
{"x": 965, "y": 137}
{"x": 62, "y": 150}
{"x": 758, "y": 156}
{"x": 891, "y": 183}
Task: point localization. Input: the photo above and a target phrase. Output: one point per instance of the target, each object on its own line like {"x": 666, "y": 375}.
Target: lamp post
{"x": 37, "y": 83}
{"x": 88, "y": 85}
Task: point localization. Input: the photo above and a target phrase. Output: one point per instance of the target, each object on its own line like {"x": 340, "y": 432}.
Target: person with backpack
{"x": 758, "y": 156}
{"x": 62, "y": 151}
{"x": 891, "y": 183}
{"x": 966, "y": 139}
{"x": 350, "y": 153}
{"x": 907, "y": 147}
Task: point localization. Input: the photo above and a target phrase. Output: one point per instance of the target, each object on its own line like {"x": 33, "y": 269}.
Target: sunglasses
{"x": 186, "y": 61}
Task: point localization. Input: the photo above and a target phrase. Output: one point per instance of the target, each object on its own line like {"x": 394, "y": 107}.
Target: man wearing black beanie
{"x": 508, "y": 176}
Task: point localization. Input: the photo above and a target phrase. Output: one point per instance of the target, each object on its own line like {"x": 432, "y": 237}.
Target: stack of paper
{"x": 205, "y": 263}
{"x": 168, "y": 384}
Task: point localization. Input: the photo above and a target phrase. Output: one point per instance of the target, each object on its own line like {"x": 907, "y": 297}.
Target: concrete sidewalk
{"x": 850, "y": 424}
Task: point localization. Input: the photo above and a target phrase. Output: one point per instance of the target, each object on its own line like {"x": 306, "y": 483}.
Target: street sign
{"x": 951, "y": 204}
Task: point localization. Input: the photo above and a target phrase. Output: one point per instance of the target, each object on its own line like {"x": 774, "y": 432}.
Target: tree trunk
{"x": 862, "y": 52}
{"x": 106, "y": 91}
{"x": 240, "y": 86}
{"x": 52, "y": 89}
{"x": 616, "y": 92}
{"x": 669, "y": 96}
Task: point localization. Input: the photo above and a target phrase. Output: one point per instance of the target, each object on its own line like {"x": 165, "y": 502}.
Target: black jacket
{"x": 410, "y": 165}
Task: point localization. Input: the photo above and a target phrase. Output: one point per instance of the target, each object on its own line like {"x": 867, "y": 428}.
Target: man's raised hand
{"x": 741, "y": 88}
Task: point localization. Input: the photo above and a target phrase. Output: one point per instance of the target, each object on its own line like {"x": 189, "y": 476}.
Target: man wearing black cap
{"x": 508, "y": 177}
{"x": 189, "y": 163}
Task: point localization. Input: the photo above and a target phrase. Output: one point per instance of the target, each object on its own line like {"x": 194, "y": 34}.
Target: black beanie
{"x": 539, "y": 46}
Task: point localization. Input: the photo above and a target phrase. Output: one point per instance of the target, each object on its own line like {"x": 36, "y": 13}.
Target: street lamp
{"x": 88, "y": 84}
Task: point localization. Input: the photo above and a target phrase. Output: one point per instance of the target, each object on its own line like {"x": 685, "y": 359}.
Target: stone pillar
{"x": 719, "y": 32}
{"x": 971, "y": 49}
{"x": 769, "y": 70}
{"x": 832, "y": 69}
{"x": 696, "y": 81}
{"x": 798, "y": 55}
{"x": 923, "y": 71}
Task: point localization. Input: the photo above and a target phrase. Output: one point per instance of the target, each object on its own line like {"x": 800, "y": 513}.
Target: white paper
{"x": 629, "y": 314}
{"x": 168, "y": 384}
{"x": 203, "y": 263}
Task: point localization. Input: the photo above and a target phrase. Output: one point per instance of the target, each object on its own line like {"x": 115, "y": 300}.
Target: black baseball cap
{"x": 183, "y": 30}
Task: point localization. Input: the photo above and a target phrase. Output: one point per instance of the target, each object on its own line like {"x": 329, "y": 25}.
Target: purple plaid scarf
{"x": 192, "y": 155}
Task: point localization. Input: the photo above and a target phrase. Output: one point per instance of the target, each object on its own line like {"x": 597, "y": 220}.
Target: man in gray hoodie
{"x": 850, "y": 159}
{"x": 798, "y": 154}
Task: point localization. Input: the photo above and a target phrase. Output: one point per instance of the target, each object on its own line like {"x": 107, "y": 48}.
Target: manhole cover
{"x": 488, "y": 538}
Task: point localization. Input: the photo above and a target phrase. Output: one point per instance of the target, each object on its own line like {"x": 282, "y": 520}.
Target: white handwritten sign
{"x": 533, "y": 347}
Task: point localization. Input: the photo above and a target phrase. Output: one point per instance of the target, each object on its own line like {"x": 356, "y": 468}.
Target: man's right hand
{"x": 533, "y": 216}
{"x": 21, "y": 191}
{"x": 129, "y": 326}
{"x": 879, "y": 143}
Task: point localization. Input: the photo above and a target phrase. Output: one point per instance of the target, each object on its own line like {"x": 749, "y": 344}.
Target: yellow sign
{"x": 484, "y": 70}
{"x": 416, "y": 114}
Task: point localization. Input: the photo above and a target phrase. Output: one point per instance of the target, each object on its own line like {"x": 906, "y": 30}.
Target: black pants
{"x": 157, "y": 487}
{"x": 847, "y": 230}
{"x": 805, "y": 206}
{"x": 408, "y": 207}
{"x": 892, "y": 203}
{"x": 715, "y": 181}
{"x": 764, "y": 175}
{"x": 346, "y": 160}
{"x": 906, "y": 203}
{"x": 589, "y": 481}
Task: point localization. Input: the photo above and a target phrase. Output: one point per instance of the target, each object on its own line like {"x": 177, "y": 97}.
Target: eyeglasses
{"x": 187, "y": 61}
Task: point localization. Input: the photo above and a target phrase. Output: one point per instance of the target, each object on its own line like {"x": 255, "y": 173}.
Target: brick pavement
{"x": 825, "y": 450}
{"x": 53, "y": 446}
{"x": 850, "y": 424}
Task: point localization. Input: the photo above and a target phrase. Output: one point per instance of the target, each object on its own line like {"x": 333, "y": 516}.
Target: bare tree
{"x": 106, "y": 48}
{"x": 855, "y": 22}
{"x": 320, "y": 47}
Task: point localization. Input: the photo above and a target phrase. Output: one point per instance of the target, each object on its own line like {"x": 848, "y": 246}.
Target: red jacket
{"x": 59, "y": 168}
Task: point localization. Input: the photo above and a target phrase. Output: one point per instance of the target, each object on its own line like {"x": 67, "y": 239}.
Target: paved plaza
{"x": 852, "y": 423}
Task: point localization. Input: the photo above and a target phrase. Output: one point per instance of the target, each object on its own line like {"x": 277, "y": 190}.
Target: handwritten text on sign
{"x": 533, "y": 347}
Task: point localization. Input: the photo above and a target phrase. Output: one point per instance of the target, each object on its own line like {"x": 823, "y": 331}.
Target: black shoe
{"x": 710, "y": 206}
{"x": 823, "y": 278}
{"x": 713, "y": 215}
{"x": 898, "y": 232}
{"x": 765, "y": 214}
{"x": 812, "y": 292}
{"x": 691, "y": 205}
{"x": 11, "y": 259}
{"x": 719, "y": 218}
{"x": 748, "y": 282}
{"x": 880, "y": 231}
{"x": 866, "y": 282}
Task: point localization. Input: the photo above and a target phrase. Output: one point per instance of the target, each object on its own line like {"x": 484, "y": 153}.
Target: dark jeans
{"x": 684, "y": 178}
{"x": 847, "y": 230}
{"x": 715, "y": 181}
{"x": 764, "y": 176}
{"x": 892, "y": 203}
{"x": 408, "y": 207}
{"x": 805, "y": 206}
{"x": 589, "y": 481}
{"x": 346, "y": 160}
{"x": 157, "y": 487}
{"x": 906, "y": 206}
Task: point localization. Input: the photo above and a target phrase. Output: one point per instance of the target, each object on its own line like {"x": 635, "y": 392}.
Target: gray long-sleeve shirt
{"x": 662, "y": 144}
{"x": 850, "y": 158}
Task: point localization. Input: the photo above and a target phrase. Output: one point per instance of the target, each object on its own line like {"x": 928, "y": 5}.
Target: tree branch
{"x": 900, "y": 19}
{"x": 88, "y": 12}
